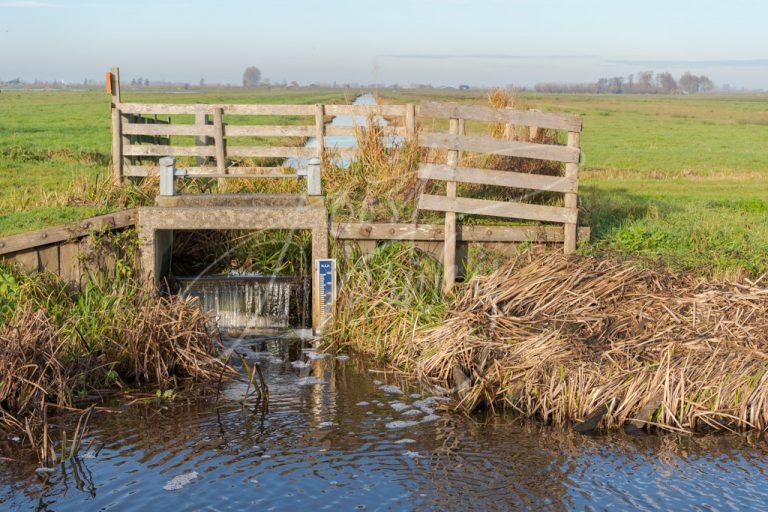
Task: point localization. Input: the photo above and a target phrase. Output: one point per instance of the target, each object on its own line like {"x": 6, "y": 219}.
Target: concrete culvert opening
{"x": 248, "y": 279}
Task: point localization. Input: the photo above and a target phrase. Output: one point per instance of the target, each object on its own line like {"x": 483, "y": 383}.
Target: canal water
{"x": 346, "y": 141}
{"x": 340, "y": 435}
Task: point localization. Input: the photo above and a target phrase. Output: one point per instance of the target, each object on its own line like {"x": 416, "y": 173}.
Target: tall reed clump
{"x": 570, "y": 339}
{"x": 380, "y": 184}
{"x": 60, "y": 346}
{"x": 383, "y": 297}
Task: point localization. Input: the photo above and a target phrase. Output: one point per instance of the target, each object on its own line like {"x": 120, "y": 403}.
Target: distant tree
{"x": 617, "y": 84}
{"x": 705, "y": 84}
{"x": 666, "y": 83}
{"x": 251, "y": 76}
{"x": 645, "y": 81}
{"x": 689, "y": 83}
{"x": 146, "y": 82}
{"x": 202, "y": 82}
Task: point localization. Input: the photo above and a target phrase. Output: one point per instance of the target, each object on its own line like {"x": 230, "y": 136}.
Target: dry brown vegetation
{"x": 61, "y": 347}
{"x": 573, "y": 339}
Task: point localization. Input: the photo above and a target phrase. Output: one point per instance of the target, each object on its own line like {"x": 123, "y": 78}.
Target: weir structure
{"x": 154, "y": 140}
{"x": 155, "y": 225}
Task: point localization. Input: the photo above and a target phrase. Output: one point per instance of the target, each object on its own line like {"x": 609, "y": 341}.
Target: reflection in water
{"x": 328, "y": 445}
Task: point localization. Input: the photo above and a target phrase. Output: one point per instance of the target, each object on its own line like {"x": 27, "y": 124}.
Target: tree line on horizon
{"x": 644, "y": 82}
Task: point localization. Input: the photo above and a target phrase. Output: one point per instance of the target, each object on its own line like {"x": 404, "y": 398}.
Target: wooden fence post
{"x": 410, "y": 122}
{"x": 449, "y": 245}
{"x": 113, "y": 87}
{"x": 320, "y": 130}
{"x": 218, "y": 140}
{"x": 201, "y": 121}
{"x": 117, "y": 146}
{"x": 571, "y": 199}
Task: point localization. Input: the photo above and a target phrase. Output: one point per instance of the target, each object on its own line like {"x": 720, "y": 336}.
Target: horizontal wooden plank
{"x": 268, "y": 110}
{"x": 167, "y": 129}
{"x": 496, "y": 115}
{"x": 159, "y": 108}
{"x": 61, "y": 233}
{"x": 160, "y": 150}
{"x": 365, "y": 110}
{"x": 498, "y": 208}
{"x": 270, "y": 151}
{"x": 499, "y": 178}
{"x": 268, "y": 131}
{"x": 243, "y": 175}
{"x": 489, "y": 145}
{"x": 262, "y": 110}
{"x": 436, "y": 232}
{"x": 334, "y": 130}
{"x": 201, "y": 171}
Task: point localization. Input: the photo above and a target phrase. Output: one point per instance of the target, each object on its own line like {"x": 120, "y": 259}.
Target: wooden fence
{"x": 457, "y": 141}
{"x": 135, "y": 124}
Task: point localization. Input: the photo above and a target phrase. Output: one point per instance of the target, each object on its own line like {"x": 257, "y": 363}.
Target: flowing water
{"x": 250, "y": 300}
{"x": 340, "y": 436}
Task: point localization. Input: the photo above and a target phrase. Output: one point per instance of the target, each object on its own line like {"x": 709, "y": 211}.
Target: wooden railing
{"x": 457, "y": 141}
{"x": 138, "y": 133}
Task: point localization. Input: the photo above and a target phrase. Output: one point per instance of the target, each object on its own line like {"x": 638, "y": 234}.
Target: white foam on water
{"x": 317, "y": 355}
{"x": 397, "y": 424}
{"x": 412, "y": 455}
{"x": 309, "y": 381}
{"x": 300, "y": 364}
{"x": 342, "y": 358}
{"x": 405, "y": 440}
{"x": 399, "y": 406}
{"x": 377, "y": 383}
{"x": 325, "y": 424}
{"x": 415, "y": 395}
{"x": 429, "y": 418}
{"x": 413, "y": 412}
{"x": 362, "y": 404}
{"x": 177, "y": 482}
{"x": 44, "y": 471}
{"x": 275, "y": 360}
{"x": 392, "y": 390}
{"x": 90, "y": 454}
{"x": 368, "y": 412}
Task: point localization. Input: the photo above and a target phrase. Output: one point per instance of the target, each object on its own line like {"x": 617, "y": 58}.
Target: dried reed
{"x": 573, "y": 339}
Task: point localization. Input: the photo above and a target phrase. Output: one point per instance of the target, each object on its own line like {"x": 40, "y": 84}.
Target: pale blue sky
{"x": 478, "y": 42}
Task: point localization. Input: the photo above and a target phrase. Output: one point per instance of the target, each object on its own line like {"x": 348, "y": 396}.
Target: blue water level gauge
{"x": 326, "y": 290}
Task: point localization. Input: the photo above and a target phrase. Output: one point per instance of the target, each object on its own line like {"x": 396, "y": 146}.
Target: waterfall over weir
{"x": 251, "y": 301}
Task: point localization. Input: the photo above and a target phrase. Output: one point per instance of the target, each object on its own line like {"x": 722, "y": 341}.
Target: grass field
{"x": 683, "y": 180}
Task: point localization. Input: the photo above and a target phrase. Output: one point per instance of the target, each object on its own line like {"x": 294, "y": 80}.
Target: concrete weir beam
{"x": 224, "y": 212}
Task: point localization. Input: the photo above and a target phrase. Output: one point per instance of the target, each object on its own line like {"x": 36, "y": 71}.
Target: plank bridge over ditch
{"x": 183, "y": 141}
